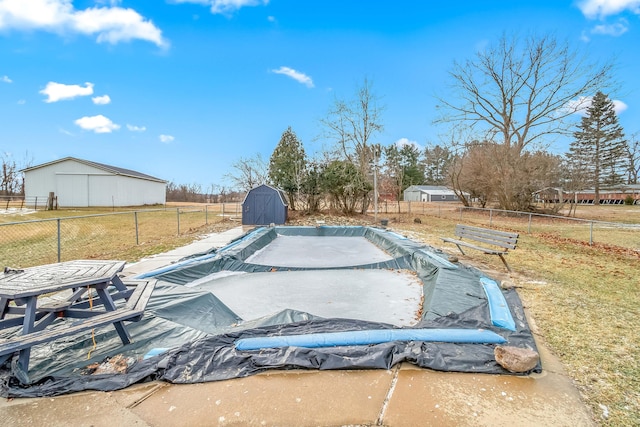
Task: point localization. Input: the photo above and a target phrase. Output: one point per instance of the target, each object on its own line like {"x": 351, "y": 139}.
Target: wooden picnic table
{"x": 91, "y": 286}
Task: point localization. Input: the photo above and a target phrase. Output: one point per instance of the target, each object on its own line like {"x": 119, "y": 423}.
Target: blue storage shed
{"x": 264, "y": 205}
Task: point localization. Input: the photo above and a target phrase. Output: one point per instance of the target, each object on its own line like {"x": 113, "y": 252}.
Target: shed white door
{"x": 72, "y": 190}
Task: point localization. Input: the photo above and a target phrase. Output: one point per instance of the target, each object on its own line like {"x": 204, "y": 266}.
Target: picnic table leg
{"x": 117, "y": 282}
{"x": 27, "y": 328}
{"x": 4, "y": 304}
{"x": 110, "y": 306}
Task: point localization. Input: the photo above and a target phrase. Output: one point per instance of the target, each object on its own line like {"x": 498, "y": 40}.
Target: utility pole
{"x": 375, "y": 182}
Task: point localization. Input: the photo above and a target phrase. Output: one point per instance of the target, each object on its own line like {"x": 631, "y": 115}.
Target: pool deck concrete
{"x": 403, "y": 396}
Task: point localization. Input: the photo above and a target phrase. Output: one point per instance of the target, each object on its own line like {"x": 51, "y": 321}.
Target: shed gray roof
{"x": 429, "y": 188}
{"x": 107, "y": 168}
{"x": 281, "y": 194}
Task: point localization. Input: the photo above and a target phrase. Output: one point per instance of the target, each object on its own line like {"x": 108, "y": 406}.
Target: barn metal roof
{"x": 107, "y": 168}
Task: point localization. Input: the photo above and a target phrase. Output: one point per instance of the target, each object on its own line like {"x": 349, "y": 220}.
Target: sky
{"x": 183, "y": 89}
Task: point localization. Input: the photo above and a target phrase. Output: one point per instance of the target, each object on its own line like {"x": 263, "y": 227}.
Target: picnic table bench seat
{"x": 499, "y": 241}
{"x": 132, "y": 312}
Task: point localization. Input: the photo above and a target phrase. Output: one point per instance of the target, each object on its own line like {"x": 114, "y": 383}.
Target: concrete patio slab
{"x": 296, "y": 398}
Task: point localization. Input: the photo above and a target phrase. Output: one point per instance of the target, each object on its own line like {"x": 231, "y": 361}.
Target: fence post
{"x": 222, "y": 211}
{"x": 490, "y": 217}
{"x": 35, "y": 204}
{"x": 59, "y": 246}
{"x": 135, "y": 218}
{"x": 529, "y": 229}
{"x": 178, "y": 216}
{"x": 591, "y": 234}
{"x": 460, "y": 213}
{"x": 206, "y": 214}
{"x": 409, "y": 209}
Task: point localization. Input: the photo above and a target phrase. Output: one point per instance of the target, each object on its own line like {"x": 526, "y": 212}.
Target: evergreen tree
{"x": 413, "y": 167}
{"x": 438, "y": 160}
{"x": 599, "y": 147}
{"x": 287, "y": 165}
{"x": 403, "y": 167}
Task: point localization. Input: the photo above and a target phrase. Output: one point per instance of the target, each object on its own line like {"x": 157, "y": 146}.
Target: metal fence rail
{"x": 22, "y": 202}
{"x": 42, "y": 241}
{"x": 149, "y": 231}
{"x": 584, "y": 230}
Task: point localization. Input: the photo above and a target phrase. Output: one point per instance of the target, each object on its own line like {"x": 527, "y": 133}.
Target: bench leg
{"x": 459, "y": 248}
{"x": 504, "y": 261}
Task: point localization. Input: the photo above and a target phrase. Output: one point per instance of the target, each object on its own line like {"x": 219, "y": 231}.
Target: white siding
{"x": 80, "y": 185}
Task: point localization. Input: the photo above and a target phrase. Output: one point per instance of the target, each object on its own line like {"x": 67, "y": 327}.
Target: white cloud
{"x": 619, "y": 106}
{"x": 134, "y": 128}
{"x": 97, "y": 124}
{"x": 296, "y": 75}
{"x": 602, "y": 8}
{"x": 111, "y": 24}
{"x": 405, "y": 141}
{"x": 58, "y": 91}
{"x": 22, "y": 102}
{"x": 225, "y": 7}
{"x": 101, "y": 100}
{"x": 615, "y": 30}
{"x": 166, "y": 138}
{"x": 6, "y": 79}
{"x": 580, "y": 105}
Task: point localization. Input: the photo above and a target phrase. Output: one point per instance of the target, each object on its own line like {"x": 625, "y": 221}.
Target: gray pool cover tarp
{"x": 198, "y": 330}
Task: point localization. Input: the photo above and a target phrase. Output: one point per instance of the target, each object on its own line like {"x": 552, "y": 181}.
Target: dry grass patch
{"x": 586, "y": 304}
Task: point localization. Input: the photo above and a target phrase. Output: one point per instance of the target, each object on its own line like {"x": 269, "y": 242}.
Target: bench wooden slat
{"x": 47, "y": 335}
{"x": 495, "y": 238}
{"x": 480, "y": 248}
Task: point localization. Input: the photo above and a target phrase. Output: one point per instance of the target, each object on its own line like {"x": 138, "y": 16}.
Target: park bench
{"x": 499, "y": 241}
{"x": 132, "y": 311}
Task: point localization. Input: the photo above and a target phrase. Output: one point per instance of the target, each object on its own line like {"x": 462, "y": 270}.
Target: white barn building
{"x": 81, "y": 183}
{"x": 429, "y": 193}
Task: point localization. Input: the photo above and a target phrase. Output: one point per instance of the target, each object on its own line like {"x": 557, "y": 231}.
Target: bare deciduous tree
{"x": 248, "y": 173}
{"x": 521, "y": 89}
{"x": 11, "y": 177}
{"x": 351, "y": 125}
{"x": 517, "y": 93}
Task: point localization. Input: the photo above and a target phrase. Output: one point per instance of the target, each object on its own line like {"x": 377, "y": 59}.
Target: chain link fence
{"x": 104, "y": 236}
{"x": 617, "y": 234}
{"x": 138, "y": 233}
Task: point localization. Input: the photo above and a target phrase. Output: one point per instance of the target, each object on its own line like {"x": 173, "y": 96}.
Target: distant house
{"x": 429, "y": 193}
{"x": 82, "y": 183}
{"x": 264, "y": 205}
{"x": 608, "y": 196}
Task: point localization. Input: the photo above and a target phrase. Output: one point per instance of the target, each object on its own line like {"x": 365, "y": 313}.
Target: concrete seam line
{"x": 387, "y": 398}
